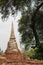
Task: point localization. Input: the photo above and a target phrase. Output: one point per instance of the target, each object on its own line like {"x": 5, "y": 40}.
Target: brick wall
{"x": 34, "y": 62}
{"x": 30, "y": 62}
{"x": 27, "y": 61}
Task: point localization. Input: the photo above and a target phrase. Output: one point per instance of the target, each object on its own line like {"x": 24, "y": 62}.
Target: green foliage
{"x": 24, "y": 27}
{"x": 26, "y": 31}
{"x": 31, "y": 53}
{"x": 7, "y": 6}
{"x": 36, "y": 53}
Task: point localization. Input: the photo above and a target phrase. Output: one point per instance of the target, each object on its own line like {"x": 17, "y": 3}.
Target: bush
{"x": 36, "y": 53}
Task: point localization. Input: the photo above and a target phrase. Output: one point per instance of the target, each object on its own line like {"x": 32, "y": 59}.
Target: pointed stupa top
{"x": 12, "y": 32}
{"x": 12, "y": 45}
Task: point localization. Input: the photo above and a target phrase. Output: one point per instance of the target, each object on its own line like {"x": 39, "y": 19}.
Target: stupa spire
{"x": 12, "y": 45}
{"x": 12, "y": 32}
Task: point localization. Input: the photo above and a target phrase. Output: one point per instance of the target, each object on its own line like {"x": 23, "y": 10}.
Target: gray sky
{"x": 5, "y": 30}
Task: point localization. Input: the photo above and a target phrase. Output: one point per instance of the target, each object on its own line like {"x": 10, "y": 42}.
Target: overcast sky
{"x": 5, "y": 30}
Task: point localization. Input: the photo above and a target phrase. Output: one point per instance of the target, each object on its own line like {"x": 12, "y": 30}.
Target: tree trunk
{"x": 36, "y": 36}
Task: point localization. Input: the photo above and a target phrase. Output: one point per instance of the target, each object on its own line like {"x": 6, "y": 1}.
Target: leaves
{"x": 5, "y": 5}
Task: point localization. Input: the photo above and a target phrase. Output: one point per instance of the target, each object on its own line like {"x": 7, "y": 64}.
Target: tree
{"x": 27, "y": 26}
{"x": 33, "y": 24}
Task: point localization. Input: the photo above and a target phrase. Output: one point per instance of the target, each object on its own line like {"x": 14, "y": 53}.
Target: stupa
{"x": 12, "y": 52}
